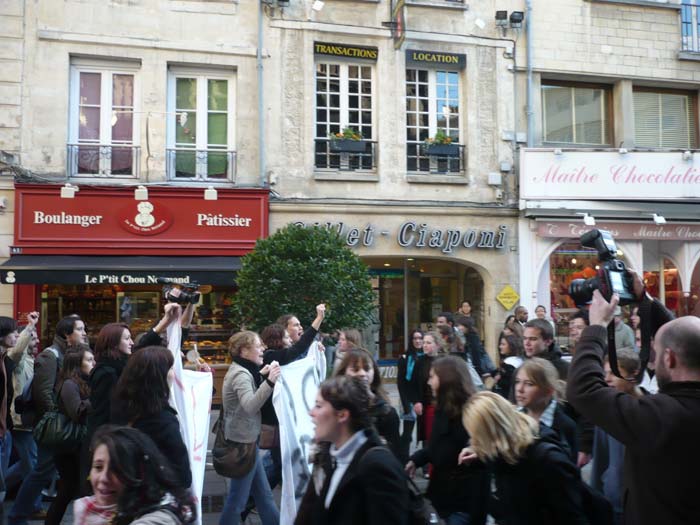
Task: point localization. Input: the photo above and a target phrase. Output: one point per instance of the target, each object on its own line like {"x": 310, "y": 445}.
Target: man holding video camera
{"x": 661, "y": 432}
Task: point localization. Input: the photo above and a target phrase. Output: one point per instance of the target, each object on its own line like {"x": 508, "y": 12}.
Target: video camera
{"x": 612, "y": 276}
{"x": 189, "y": 292}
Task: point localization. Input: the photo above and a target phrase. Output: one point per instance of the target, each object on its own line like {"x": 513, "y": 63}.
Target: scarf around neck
{"x": 251, "y": 367}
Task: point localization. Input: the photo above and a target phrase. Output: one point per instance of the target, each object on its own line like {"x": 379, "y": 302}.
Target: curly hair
{"x": 456, "y": 386}
{"x": 145, "y": 474}
{"x": 273, "y": 336}
{"x": 240, "y": 341}
{"x": 143, "y": 386}
{"x": 107, "y": 344}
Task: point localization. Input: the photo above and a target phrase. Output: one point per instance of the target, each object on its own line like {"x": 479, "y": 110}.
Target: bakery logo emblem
{"x": 10, "y": 278}
{"x": 145, "y": 218}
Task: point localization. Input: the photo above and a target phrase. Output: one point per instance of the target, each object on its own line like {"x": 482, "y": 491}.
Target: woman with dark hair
{"x": 112, "y": 349}
{"x": 359, "y": 364}
{"x": 510, "y": 352}
{"x": 279, "y": 344}
{"x": 409, "y": 388}
{"x": 433, "y": 346}
{"x": 132, "y": 483}
{"x": 355, "y": 478}
{"x": 141, "y": 401}
{"x": 512, "y": 326}
{"x": 72, "y": 393}
{"x": 459, "y": 494}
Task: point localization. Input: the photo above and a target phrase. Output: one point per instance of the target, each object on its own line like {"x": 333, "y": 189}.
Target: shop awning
{"x": 82, "y": 269}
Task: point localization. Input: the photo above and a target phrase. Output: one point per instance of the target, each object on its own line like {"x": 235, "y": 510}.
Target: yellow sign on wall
{"x": 508, "y": 297}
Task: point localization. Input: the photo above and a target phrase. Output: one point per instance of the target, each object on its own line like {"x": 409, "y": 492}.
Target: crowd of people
{"x": 504, "y": 437}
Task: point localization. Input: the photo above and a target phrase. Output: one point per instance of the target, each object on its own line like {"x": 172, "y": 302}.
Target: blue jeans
{"x": 458, "y": 518}
{"x": 25, "y": 446}
{"x": 254, "y": 484}
{"x": 5, "y": 451}
{"x": 28, "y": 498}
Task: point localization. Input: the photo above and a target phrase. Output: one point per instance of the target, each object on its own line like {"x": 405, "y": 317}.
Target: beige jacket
{"x": 242, "y": 404}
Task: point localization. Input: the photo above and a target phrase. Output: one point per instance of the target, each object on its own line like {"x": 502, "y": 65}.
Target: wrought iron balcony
{"x": 98, "y": 160}
{"x": 442, "y": 159}
{"x": 204, "y": 165}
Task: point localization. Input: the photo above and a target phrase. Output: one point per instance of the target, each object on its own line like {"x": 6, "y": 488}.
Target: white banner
{"x": 190, "y": 395}
{"x": 609, "y": 175}
{"x": 293, "y": 398}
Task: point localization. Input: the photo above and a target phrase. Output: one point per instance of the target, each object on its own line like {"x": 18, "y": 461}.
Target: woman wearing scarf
{"x": 409, "y": 389}
{"x": 246, "y": 388}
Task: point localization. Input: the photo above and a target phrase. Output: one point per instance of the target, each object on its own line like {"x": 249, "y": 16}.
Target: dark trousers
{"x": 67, "y": 487}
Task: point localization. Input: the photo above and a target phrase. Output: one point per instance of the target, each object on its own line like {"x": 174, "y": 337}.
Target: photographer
{"x": 660, "y": 432}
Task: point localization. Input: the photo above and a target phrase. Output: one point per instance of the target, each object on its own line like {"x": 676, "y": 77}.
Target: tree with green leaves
{"x": 297, "y": 268}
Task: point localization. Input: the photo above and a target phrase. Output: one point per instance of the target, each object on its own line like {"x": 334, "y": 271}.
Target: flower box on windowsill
{"x": 442, "y": 150}
{"x": 348, "y": 146}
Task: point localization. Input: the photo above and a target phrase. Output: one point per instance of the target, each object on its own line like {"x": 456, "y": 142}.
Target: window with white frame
{"x": 664, "y": 119}
{"x": 575, "y": 114}
{"x": 103, "y": 122}
{"x": 344, "y": 99}
{"x": 432, "y": 106}
{"x": 200, "y": 125}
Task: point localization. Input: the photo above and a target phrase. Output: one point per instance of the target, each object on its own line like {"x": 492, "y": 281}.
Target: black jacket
{"x": 661, "y": 433}
{"x": 164, "y": 430}
{"x": 409, "y": 390}
{"x": 453, "y": 488}
{"x": 386, "y": 422}
{"x": 373, "y": 491}
{"x": 46, "y": 367}
{"x": 543, "y": 488}
{"x": 102, "y": 381}
{"x": 553, "y": 355}
{"x": 565, "y": 427}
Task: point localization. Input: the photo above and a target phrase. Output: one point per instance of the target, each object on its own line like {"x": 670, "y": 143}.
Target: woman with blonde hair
{"x": 246, "y": 388}
{"x": 536, "y": 482}
{"x": 347, "y": 338}
{"x": 537, "y": 392}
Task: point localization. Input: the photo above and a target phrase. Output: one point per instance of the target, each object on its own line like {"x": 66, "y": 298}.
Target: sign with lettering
{"x": 424, "y": 58}
{"x": 412, "y": 234}
{"x": 341, "y": 50}
{"x": 104, "y": 220}
{"x": 609, "y": 175}
{"x": 51, "y": 276}
{"x": 508, "y": 297}
{"x": 623, "y": 230}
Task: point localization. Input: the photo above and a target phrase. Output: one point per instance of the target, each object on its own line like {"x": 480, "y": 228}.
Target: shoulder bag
{"x": 59, "y": 433}
{"x": 230, "y": 458}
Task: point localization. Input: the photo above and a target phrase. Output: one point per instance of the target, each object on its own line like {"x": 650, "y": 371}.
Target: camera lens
{"x": 581, "y": 290}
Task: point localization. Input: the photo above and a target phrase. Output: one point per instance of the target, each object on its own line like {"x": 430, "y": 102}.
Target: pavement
{"x": 216, "y": 487}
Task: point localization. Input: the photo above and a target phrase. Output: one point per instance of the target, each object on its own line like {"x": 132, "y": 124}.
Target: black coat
{"x": 373, "y": 491}
{"x": 543, "y": 488}
{"x": 661, "y": 433}
{"x": 409, "y": 390}
{"x": 164, "y": 430}
{"x": 386, "y": 422}
{"x": 102, "y": 381}
{"x": 453, "y": 488}
{"x": 554, "y": 356}
{"x": 565, "y": 427}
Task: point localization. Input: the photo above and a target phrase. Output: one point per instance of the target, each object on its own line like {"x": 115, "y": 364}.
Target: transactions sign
{"x": 609, "y": 175}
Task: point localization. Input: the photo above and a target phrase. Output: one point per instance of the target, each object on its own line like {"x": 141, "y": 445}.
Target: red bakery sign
{"x": 108, "y": 220}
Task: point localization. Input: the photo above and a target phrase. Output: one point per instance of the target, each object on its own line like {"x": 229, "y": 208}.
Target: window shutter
{"x": 664, "y": 120}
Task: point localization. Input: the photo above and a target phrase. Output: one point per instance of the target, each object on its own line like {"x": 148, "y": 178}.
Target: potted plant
{"x": 441, "y": 145}
{"x": 347, "y": 141}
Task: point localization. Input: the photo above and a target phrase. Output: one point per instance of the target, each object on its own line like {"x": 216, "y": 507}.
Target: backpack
{"x": 24, "y": 402}
{"x": 420, "y": 512}
{"x": 596, "y": 507}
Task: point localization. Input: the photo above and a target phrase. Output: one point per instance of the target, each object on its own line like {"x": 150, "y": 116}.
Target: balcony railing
{"x": 203, "y": 165}
{"x": 422, "y": 160}
{"x": 327, "y": 158}
{"x": 690, "y": 27}
{"x": 97, "y": 160}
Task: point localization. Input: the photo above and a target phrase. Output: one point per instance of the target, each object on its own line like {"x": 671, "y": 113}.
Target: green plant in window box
{"x": 441, "y": 145}
{"x": 349, "y": 140}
